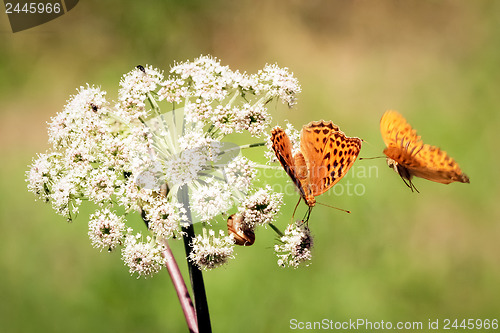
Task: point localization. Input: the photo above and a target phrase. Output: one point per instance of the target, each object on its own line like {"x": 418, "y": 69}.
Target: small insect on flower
{"x": 241, "y": 232}
{"x": 296, "y": 245}
{"x": 210, "y": 251}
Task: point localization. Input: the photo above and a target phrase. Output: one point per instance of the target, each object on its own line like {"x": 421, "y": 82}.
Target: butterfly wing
{"x": 436, "y": 165}
{"x": 329, "y": 154}
{"x": 396, "y": 132}
{"x": 406, "y": 148}
{"x": 283, "y": 151}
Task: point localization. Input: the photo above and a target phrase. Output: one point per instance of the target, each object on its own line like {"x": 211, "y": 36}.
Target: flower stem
{"x": 195, "y": 274}
{"x": 180, "y": 288}
{"x": 278, "y": 231}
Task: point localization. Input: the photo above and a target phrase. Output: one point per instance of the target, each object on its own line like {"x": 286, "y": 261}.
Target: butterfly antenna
{"x": 370, "y": 158}
{"x": 343, "y": 210}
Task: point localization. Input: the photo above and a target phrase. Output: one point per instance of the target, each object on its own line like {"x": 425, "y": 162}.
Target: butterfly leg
{"x": 307, "y": 215}
{"x": 410, "y": 184}
{"x": 297, "y": 205}
{"x": 413, "y": 185}
{"x": 405, "y": 175}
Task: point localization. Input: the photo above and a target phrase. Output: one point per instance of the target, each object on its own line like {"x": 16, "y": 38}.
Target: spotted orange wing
{"x": 325, "y": 156}
{"x": 283, "y": 151}
{"x": 329, "y": 154}
{"x": 411, "y": 157}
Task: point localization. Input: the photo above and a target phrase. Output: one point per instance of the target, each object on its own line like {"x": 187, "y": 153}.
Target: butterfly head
{"x": 392, "y": 164}
{"x": 310, "y": 200}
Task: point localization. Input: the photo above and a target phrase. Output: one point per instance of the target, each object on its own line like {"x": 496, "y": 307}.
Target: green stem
{"x": 278, "y": 231}
{"x": 252, "y": 145}
{"x": 195, "y": 274}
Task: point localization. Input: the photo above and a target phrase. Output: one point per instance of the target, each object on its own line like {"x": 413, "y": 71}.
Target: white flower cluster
{"x": 106, "y": 230}
{"x": 213, "y": 94}
{"x": 261, "y": 207}
{"x": 143, "y": 258}
{"x": 240, "y": 173}
{"x": 280, "y": 83}
{"x": 92, "y": 154}
{"x": 165, "y": 218}
{"x": 130, "y": 156}
{"x": 210, "y": 251}
{"x": 134, "y": 90}
{"x": 211, "y": 199}
{"x": 296, "y": 245}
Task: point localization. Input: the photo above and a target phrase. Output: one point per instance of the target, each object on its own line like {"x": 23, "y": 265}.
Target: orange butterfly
{"x": 325, "y": 156}
{"x": 409, "y": 156}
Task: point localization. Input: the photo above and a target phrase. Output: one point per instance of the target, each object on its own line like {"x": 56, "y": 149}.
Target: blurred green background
{"x": 400, "y": 256}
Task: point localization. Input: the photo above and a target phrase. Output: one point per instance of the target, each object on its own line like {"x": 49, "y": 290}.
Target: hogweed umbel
{"x": 161, "y": 152}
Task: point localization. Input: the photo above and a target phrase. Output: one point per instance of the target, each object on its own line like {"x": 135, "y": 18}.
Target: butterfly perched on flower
{"x": 325, "y": 156}
{"x": 409, "y": 156}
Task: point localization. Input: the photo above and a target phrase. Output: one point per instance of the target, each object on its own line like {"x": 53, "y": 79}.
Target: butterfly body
{"x": 409, "y": 156}
{"x": 325, "y": 156}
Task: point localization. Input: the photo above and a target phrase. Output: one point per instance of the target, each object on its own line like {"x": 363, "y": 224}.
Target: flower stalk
{"x": 181, "y": 289}
{"x": 195, "y": 274}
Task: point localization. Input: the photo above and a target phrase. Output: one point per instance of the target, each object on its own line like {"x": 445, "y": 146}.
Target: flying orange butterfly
{"x": 409, "y": 156}
{"x": 325, "y": 156}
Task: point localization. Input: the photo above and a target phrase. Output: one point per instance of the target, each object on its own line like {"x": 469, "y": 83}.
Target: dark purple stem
{"x": 181, "y": 289}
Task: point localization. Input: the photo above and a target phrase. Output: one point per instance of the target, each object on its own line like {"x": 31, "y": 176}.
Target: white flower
{"x": 143, "y": 258}
{"x": 280, "y": 83}
{"x": 82, "y": 117}
{"x": 101, "y": 184}
{"x": 64, "y": 192}
{"x": 184, "y": 168}
{"x": 42, "y": 173}
{"x": 198, "y": 111}
{"x": 294, "y": 136}
{"x": 106, "y": 229}
{"x": 195, "y": 138}
{"x": 165, "y": 218}
{"x": 210, "y": 251}
{"x": 261, "y": 207}
{"x": 296, "y": 246}
{"x": 173, "y": 90}
{"x": 135, "y": 86}
{"x": 208, "y": 78}
{"x": 222, "y": 118}
{"x": 151, "y": 177}
{"x": 211, "y": 199}
{"x": 240, "y": 172}
{"x": 252, "y": 118}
